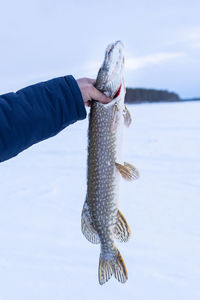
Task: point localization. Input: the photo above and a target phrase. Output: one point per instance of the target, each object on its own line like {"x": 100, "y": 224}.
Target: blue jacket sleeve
{"x": 38, "y": 112}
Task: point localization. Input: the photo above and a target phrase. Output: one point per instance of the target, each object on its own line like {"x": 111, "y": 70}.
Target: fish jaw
{"x": 110, "y": 75}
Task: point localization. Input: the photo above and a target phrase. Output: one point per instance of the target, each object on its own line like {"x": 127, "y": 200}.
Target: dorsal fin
{"x": 87, "y": 226}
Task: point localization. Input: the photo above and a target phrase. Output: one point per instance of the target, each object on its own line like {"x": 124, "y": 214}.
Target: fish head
{"x": 110, "y": 77}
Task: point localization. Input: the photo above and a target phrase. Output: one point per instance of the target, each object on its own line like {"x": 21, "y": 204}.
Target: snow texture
{"x": 43, "y": 254}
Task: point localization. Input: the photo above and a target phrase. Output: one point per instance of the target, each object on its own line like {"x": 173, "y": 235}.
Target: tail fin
{"x": 110, "y": 266}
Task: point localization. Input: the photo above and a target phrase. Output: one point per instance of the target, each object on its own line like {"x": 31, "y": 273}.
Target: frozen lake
{"x": 43, "y": 254}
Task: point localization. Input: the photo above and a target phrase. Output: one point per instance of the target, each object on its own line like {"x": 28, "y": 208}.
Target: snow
{"x": 43, "y": 254}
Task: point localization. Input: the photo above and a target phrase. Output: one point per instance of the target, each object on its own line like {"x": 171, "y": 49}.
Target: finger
{"x": 91, "y": 80}
{"x": 98, "y": 96}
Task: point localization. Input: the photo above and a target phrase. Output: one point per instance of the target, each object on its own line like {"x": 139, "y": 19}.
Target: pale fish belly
{"x": 102, "y": 194}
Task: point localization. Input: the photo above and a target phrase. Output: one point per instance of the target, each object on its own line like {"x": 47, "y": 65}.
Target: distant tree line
{"x": 191, "y": 99}
{"x": 140, "y": 95}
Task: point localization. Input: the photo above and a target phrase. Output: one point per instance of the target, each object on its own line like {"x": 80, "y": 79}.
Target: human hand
{"x": 89, "y": 92}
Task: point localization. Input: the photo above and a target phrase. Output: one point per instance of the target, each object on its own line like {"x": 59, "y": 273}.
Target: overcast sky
{"x": 43, "y": 39}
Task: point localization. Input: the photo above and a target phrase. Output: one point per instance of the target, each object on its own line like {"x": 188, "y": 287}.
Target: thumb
{"x": 99, "y": 96}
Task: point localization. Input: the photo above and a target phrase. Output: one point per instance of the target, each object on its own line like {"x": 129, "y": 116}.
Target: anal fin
{"x": 122, "y": 231}
{"x": 87, "y": 227}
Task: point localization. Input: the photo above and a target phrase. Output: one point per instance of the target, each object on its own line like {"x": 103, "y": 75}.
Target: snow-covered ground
{"x": 43, "y": 254}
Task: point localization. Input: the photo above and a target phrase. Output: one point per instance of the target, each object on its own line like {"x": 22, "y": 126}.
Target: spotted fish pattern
{"x": 101, "y": 220}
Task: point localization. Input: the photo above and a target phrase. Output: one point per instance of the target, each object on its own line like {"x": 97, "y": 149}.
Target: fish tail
{"x": 109, "y": 265}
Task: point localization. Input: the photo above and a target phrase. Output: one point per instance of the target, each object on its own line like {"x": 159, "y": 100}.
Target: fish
{"x": 101, "y": 220}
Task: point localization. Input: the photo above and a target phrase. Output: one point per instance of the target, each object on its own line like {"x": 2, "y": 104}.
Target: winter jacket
{"x": 38, "y": 112}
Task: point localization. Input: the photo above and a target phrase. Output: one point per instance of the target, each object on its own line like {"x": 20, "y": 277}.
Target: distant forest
{"x": 140, "y": 95}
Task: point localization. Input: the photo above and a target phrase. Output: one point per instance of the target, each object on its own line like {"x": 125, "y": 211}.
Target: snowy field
{"x": 43, "y": 254}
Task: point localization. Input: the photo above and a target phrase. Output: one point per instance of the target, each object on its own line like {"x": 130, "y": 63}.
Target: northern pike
{"x": 101, "y": 220}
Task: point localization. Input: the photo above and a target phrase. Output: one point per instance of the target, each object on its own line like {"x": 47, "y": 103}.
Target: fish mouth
{"x": 114, "y": 64}
{"x": 114, "y": 56}
{"x": 110, "y": 76}
{"x": 117, "y": 46}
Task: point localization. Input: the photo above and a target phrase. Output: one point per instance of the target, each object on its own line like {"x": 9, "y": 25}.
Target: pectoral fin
{"x": 128, "y": 171}
{"x": 122, "y": 231}
{"x": 87, "y": 227}
{"x": 127, "y": 117}
{"x": 115, "y": 118}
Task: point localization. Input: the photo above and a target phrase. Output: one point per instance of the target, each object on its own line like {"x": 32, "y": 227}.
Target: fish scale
{"x": 101, "y": 221}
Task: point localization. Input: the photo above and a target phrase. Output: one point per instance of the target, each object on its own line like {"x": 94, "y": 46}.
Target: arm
{"x": 38, "y": 112}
